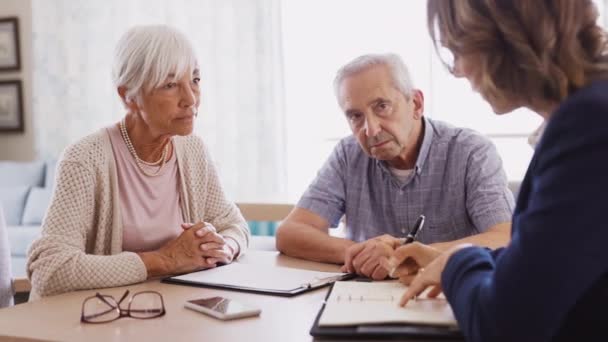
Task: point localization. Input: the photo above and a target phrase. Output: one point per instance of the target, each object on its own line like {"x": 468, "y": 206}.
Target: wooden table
{"x": 282, "y": 319}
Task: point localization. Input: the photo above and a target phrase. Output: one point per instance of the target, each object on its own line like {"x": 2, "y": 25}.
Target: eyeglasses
{"x": 103, "y": 308}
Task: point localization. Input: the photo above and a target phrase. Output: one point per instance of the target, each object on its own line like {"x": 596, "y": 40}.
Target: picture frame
{"x": 10, "y": 55}
{"x": 11, "y": 106}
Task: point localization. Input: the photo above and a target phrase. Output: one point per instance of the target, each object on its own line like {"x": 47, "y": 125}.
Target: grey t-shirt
{"x": 458, "y": 183}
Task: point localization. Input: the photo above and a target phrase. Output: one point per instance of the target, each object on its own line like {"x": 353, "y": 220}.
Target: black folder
{"x": 383, "y": 331}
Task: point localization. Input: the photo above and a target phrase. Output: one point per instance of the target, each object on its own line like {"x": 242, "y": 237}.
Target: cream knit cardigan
{"x": 81, "y": 242}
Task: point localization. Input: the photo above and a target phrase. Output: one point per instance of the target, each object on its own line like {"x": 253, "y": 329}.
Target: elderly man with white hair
{"x": 397, "y": 165}
{"x": 140, "y": 198}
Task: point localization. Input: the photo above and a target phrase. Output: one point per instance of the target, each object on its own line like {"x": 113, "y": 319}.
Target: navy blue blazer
{"x": 551, "y": 282}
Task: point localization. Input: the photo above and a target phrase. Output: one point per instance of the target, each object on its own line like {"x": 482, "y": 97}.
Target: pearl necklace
{"x": 140, "y": 163}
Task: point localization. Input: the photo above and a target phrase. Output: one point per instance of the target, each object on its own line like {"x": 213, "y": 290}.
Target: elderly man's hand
{"x": 364, "y": 258}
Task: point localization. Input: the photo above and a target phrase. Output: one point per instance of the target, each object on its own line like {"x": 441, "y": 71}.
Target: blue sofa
{"x": 25, "y": 193}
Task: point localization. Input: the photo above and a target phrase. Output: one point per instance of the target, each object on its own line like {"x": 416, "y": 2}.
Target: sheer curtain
{"x": 240, "y": 54}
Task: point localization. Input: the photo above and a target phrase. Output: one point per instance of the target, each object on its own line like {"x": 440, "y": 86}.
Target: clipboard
{"x": 271, "y": 280}
{"x": 382, "y": 331}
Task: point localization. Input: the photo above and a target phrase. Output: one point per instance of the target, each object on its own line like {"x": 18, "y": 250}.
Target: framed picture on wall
{"x": 9, "y": 44}
{"x": 11, "y": 106}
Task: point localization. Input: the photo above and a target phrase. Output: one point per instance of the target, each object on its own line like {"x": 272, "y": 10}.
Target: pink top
{"x": 150, "y": 206}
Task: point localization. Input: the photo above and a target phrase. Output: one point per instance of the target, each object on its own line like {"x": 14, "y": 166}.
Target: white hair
{"x": 394, "y": 63}
{"x": 146, "y": 56}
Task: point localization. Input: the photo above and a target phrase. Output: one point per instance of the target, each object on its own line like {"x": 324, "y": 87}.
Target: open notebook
{"x": 372, "y": 309}
{"x": 274, "y": 280}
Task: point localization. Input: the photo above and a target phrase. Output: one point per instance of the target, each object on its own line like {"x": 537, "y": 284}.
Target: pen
{"x": 412, "y": 234}
{"x": 409, "y": 239}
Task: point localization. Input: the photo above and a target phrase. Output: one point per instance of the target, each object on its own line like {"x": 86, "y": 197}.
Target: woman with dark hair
{"x": 551, "y": 281}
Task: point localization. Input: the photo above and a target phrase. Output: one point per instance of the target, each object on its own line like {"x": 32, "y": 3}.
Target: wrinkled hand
{"x": 364, "y": 258}
{"x": 389, "y": 240}
{"x": 214, "y": 247}
{"x": 183, "y": 254}
{"x": 429, "y": 276}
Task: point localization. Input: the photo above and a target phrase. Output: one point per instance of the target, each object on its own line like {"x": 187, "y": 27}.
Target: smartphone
{"x": 222, "y": 308}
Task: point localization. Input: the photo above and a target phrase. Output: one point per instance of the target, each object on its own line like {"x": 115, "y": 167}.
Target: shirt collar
{"x": 427, "y": 140}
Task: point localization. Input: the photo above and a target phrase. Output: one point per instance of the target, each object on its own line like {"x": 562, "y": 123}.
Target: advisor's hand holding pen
{"x": 409, "y": 260}
{"x": 430, "y": 263}
{"x": 409, "y": 257}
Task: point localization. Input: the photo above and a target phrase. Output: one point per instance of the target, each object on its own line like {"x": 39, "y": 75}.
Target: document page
{"x": 259, "y": 277}
{"x": 357, "y": 303}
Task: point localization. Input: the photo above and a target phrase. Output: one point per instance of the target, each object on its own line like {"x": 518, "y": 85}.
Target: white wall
{"x": 20, "y": 146}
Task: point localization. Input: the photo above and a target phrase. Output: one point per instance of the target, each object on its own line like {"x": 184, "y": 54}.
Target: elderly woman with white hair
{"x": 141, "y": 198}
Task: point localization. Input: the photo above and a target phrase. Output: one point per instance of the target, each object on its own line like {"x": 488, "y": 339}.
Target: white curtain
{"x": 239, "y": 47}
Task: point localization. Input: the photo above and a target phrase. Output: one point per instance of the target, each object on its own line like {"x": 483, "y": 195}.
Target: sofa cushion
{"x": 49, "y": 173}
{"x": 12, "y": 199}
{"x": 21, "y": 237}
{"x": 21, "y": 173}
{"x": 36, "y": 205}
